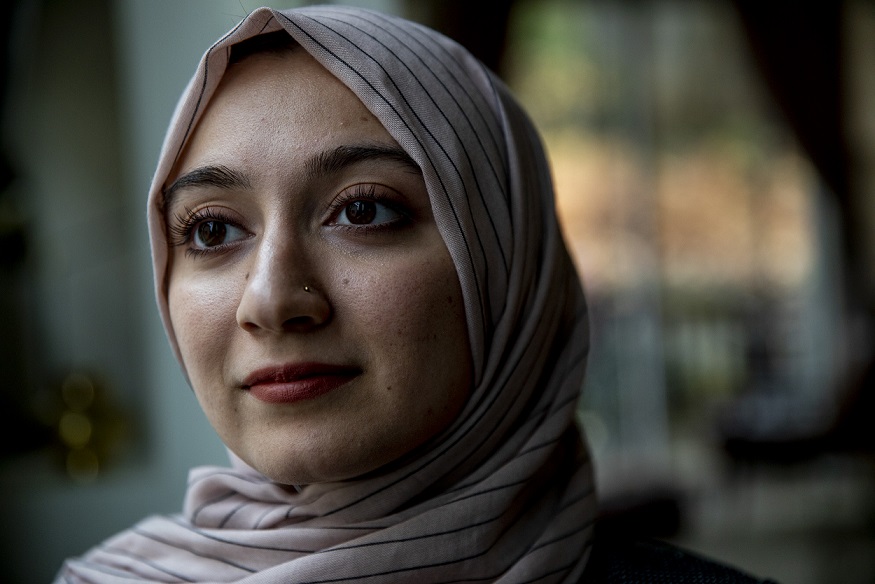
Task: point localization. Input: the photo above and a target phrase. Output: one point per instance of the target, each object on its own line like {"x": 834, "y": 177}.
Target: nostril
{"x": 299, "y": 323}
{"x": 249, "y": 327}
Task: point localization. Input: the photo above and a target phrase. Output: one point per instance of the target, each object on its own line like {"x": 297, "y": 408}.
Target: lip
{"x": 297, "y": 382}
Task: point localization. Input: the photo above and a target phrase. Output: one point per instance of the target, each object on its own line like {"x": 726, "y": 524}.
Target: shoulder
{"x": 618, "y": 561}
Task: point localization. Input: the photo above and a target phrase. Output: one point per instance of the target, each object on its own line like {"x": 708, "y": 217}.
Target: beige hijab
{"x": 505, "y": 494}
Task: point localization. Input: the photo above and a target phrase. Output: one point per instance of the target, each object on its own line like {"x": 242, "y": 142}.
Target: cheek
{"x": 430, "y": 307}
{"x": 202, "y": 315}
{"x": 412, "y": 311}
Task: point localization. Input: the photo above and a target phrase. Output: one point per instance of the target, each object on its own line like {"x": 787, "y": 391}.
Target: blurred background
{"x": 714, "y": 164}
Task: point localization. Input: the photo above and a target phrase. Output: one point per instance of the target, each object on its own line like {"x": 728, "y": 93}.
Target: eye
{"x": 205, "y": 230}
{"x": 369, "y": 208}
{"x": 212, "y": 233}
{"x": 367, "y": 212}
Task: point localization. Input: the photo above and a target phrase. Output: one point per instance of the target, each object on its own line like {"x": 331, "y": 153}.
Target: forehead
{"x": 278, "y": 102}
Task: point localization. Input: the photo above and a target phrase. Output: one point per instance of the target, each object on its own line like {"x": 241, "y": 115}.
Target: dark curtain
{"x": 798, "y": 48}
{"x": 478, "y": 25}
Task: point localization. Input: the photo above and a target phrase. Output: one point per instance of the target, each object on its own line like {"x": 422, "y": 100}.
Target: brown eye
{"x": 210, "y": 234}
{"x": 361, "y": 212}
{"x": 365, "y": 212}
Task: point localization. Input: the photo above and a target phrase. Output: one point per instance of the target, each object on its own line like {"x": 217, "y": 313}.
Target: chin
{"x": 321, "y": 467}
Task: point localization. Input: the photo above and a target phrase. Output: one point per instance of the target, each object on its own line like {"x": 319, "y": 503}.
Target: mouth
{"x": 297, "y": 382}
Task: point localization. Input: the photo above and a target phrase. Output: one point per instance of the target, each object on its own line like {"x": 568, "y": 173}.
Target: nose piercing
{"x": 306, "y": 289}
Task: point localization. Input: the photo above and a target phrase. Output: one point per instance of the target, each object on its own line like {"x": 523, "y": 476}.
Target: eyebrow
{"x": 333, "y": 161}
{"x": 206, "y": 176}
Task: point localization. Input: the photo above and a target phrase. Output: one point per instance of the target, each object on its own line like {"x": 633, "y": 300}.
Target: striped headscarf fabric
{"x": 506, "y": 493}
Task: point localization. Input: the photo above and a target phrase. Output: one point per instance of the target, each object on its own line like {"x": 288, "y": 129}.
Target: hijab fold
{"x": 505, "y": 493}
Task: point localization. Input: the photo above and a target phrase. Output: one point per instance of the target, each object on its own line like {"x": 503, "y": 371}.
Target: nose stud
{"x": 306, "y": 289}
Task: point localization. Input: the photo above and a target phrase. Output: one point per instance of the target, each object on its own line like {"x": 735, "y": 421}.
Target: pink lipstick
{"x": 297, "y": 382}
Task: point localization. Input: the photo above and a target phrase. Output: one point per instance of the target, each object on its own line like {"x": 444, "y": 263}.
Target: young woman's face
{"x": 316, "y": 307}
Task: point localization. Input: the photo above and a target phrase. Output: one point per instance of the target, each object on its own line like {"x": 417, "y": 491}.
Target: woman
{"x": 358, "y": 264}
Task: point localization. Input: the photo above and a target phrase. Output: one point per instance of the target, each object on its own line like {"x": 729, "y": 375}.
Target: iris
{"x": 361, "y": 212}
{"x": 211, "y": 233}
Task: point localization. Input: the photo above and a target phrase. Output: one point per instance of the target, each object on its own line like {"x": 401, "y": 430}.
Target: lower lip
{"x": 298, "y": 390}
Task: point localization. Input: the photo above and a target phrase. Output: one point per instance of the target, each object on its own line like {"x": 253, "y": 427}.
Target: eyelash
{"x": 181, "y": 229}
{"x": 365, "y": 192}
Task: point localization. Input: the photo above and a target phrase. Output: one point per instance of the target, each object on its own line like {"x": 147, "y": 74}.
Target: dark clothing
{"x": 615, "y": 561}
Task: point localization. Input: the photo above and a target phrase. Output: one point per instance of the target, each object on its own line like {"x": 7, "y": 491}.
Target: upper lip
{"x": 295, "y": 372}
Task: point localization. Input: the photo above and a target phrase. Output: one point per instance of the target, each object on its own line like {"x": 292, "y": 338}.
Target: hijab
{"x": 505, "y": 493}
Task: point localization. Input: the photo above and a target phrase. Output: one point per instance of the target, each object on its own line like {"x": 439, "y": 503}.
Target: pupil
{"x": 211, "y": 233}
{"x": 361, "y": 212}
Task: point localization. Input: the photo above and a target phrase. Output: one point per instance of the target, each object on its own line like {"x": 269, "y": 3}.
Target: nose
{"x": 281, "y": 294}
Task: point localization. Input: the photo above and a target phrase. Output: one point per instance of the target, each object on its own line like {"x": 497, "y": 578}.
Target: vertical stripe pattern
{"x": 505, "y": 494}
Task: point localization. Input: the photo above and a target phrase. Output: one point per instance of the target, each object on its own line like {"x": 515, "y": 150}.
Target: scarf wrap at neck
{"x": 505, "y": 494}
